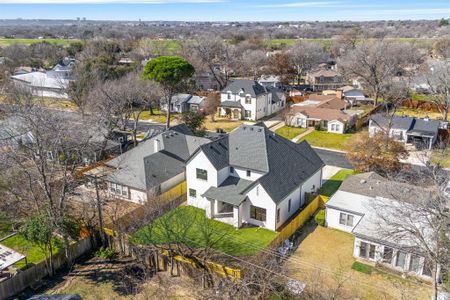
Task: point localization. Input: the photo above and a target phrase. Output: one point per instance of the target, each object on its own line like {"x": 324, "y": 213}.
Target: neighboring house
{"x": 154, "y": 166}
{"x": 42, "y": 84}
{"x": 353, "y": 95}
{"x": 181, "y": 103}
{"x": 269, "y": 80}
{"x": 325, "y": 111}
{"x": 63, "y": 69}
{"x": 331, "y": 120}
{"x": 249, "y": 100}
{"x": 325, "y": 79}
{"x": 353, "y": 209}
{"x": 422, "y": 133}
{"x": 206, "y": 81}
{"x": 252, "y": 176}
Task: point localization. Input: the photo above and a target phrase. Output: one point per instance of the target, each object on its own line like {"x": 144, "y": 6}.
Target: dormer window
{"x": 229, "y": 95}
{"x": 249, "y": 173}
{"x": 231, "y": 170}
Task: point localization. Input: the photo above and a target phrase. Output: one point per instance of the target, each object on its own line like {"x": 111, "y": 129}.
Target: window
{"x": 248, "y": 99}
{"x": 249, "y": 173}
{"x": 192, "y": 193}
{"x": 401, "y": 259}
{"x": 118, "y": 189}
{"x": 278, "y": 215}
{"x": 202, "y": 174}
{"x": 388, "y": 253}
{"x": 427, "y": 267}
{"x": 367, "y": 250}
{"x": 289, "y": 205}
{"x": 338, "y": 127}
{"x": 229, "y": 95}
{"x": 248, "y": 114}
{"x": 257, "y": 190}
{"x": 231, "y": 170}
{"x": 346, "y": 219}
{"x": 333, "y": 127}
{"x": 257, "y": 213}
{"x": 414, "y": 263}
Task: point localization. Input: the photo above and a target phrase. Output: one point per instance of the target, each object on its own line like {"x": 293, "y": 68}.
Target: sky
{"x": 226, "y": 10}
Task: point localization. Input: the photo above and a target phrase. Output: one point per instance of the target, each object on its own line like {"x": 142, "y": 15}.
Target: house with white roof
{"x": 43, "y": 84}
{"x": 252, "y": 176}
{"x": 356, "y": 208}
{"x": 249, "y": 100}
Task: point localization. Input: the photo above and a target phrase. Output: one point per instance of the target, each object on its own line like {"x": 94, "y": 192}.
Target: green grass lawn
{"x": 189, "y": 226}
{"x": 442, "y": 157}
{"x": 8, "y": 42}
{"x": 5, "y": 225}
{"x": 360, "y": 267}
{"x": 290, "y": 132}
{"x": 157, "y": 116}
{"x": 332, "y": 185}
{"x": 325, "y": 139}
{"x": 33, "y": 253}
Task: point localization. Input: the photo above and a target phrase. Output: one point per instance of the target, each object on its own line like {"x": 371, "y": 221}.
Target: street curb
{"x": 328, "y": 149}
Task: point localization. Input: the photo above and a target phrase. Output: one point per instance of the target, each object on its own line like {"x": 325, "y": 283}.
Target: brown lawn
{"x": 224, "y": 123}
{"x": 324, "y": 258}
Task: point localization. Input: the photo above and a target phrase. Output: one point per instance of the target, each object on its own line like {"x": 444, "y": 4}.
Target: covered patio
{"x": 420, "y": 139}
{"x": 230, "y": 109}
{"x": 227, "y": 200}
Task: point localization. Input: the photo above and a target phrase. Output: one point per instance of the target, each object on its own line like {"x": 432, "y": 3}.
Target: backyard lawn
{"x": 224, "y": 123}
{"x": 33, "y": 253}
{"x": 441, "y": 156}
{"x": 157, "y": 116}
{"x": 411, "y": 112}
{"x": 328, "y": 140}
{"x": 332, "y": 185}
{"x": 190, "y": 226}
{"x": 290, "y": 132}
{"x": 325, "y": 258}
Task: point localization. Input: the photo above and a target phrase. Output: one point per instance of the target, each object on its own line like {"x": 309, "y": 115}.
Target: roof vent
{"x": 363, "y": 181}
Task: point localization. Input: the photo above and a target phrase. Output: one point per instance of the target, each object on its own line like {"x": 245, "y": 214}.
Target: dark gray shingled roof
{"x": 254, "y": 147}
{"x": 413, "y": 125}
{"x": 277, "y": 94}
{"x": 233, "y": 104}
{"x": 251, "y": 87}
{"x": 231, "y": 191}
{"x": 143, "y": 165}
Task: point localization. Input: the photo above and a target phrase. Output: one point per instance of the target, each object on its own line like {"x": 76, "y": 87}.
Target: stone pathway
{"x": 298, "y": 137}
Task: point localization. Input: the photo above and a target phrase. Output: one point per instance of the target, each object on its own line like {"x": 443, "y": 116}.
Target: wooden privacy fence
{"x": 30, "y": 276}
{"x": 364, "y": 119}
{"x": 174, "y": 192}
{"x": 299, "y": 220}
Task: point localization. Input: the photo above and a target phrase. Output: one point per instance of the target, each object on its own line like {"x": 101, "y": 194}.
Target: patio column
{"x": 237, "y": 220}
{"x": 431, "y": 143}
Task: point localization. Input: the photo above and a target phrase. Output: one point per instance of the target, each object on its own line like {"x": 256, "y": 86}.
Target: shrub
{"x": 106, "y": 253}
{"x": 320, "y": 217}
{"x": 360, "y": 267}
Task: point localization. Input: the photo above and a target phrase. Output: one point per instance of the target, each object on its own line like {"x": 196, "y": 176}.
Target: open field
{"x": 329, "y": 140}
{"x": 332, "y": 185}
{"x": 33, "y": 253}
{"x": 290, "y": 132}
{"x": 8, "y": 42}
{"x": 190, "y": 226}
{"x": 324, "y": 259}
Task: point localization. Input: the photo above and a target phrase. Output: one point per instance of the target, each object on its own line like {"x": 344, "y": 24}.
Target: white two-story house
{"x": 252, "y": 176}
{"x": 249, "y": 100}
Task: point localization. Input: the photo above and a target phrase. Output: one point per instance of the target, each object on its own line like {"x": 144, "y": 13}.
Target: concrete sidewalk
{"x": 298, "y": 137}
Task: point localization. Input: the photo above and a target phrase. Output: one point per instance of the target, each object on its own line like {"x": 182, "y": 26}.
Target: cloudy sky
{"x": 226, "y": 10}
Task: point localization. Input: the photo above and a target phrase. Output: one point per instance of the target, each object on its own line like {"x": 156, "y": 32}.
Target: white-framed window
{"x": 401, "y": 259}
{"x": 118, "y": 189}
{"x": 249, "y": 173}
{"x": 202, "y": 174}
{"x": 388, "y": 254}
{"x": 248, "y": 114}
{"x": 367, "y": 250}
{"x": 338, "y": 127}
{"x": 229, "y": 95}
{"x": 414, "y": 264}
{"x": 192, "y": 193}
{"x": 258, "y": 213}
{"x": 346, "y": 219}
{"x": 333, "y": 127}
{"x": 248, "y": 99}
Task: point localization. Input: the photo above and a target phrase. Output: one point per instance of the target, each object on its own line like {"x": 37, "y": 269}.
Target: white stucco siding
{"x": 283, "y": 206}
{"x": 224, "y": 97}
{"x": 137, "y": 196}
{"x": 172, "y": 182}
{"x": 258, "y": 197}
{"x": 311, "y": 185}
{"x": 242, "y": 173}
{"x": 332, "y": 217}
{"x": 252, "y": 107}
{"x": 200, "y": 186}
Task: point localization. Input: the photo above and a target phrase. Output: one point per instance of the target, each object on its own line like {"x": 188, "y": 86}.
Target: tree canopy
{"x": 168, "y": 70}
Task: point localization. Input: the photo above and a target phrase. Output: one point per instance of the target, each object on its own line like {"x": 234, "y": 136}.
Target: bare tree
{"x": 437, "y": 74}
{"x": 304, "y": 56}
{"x": 376, "y": 63}
{"x": 252, "y": 63}
{"x": 419, "y": 221}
